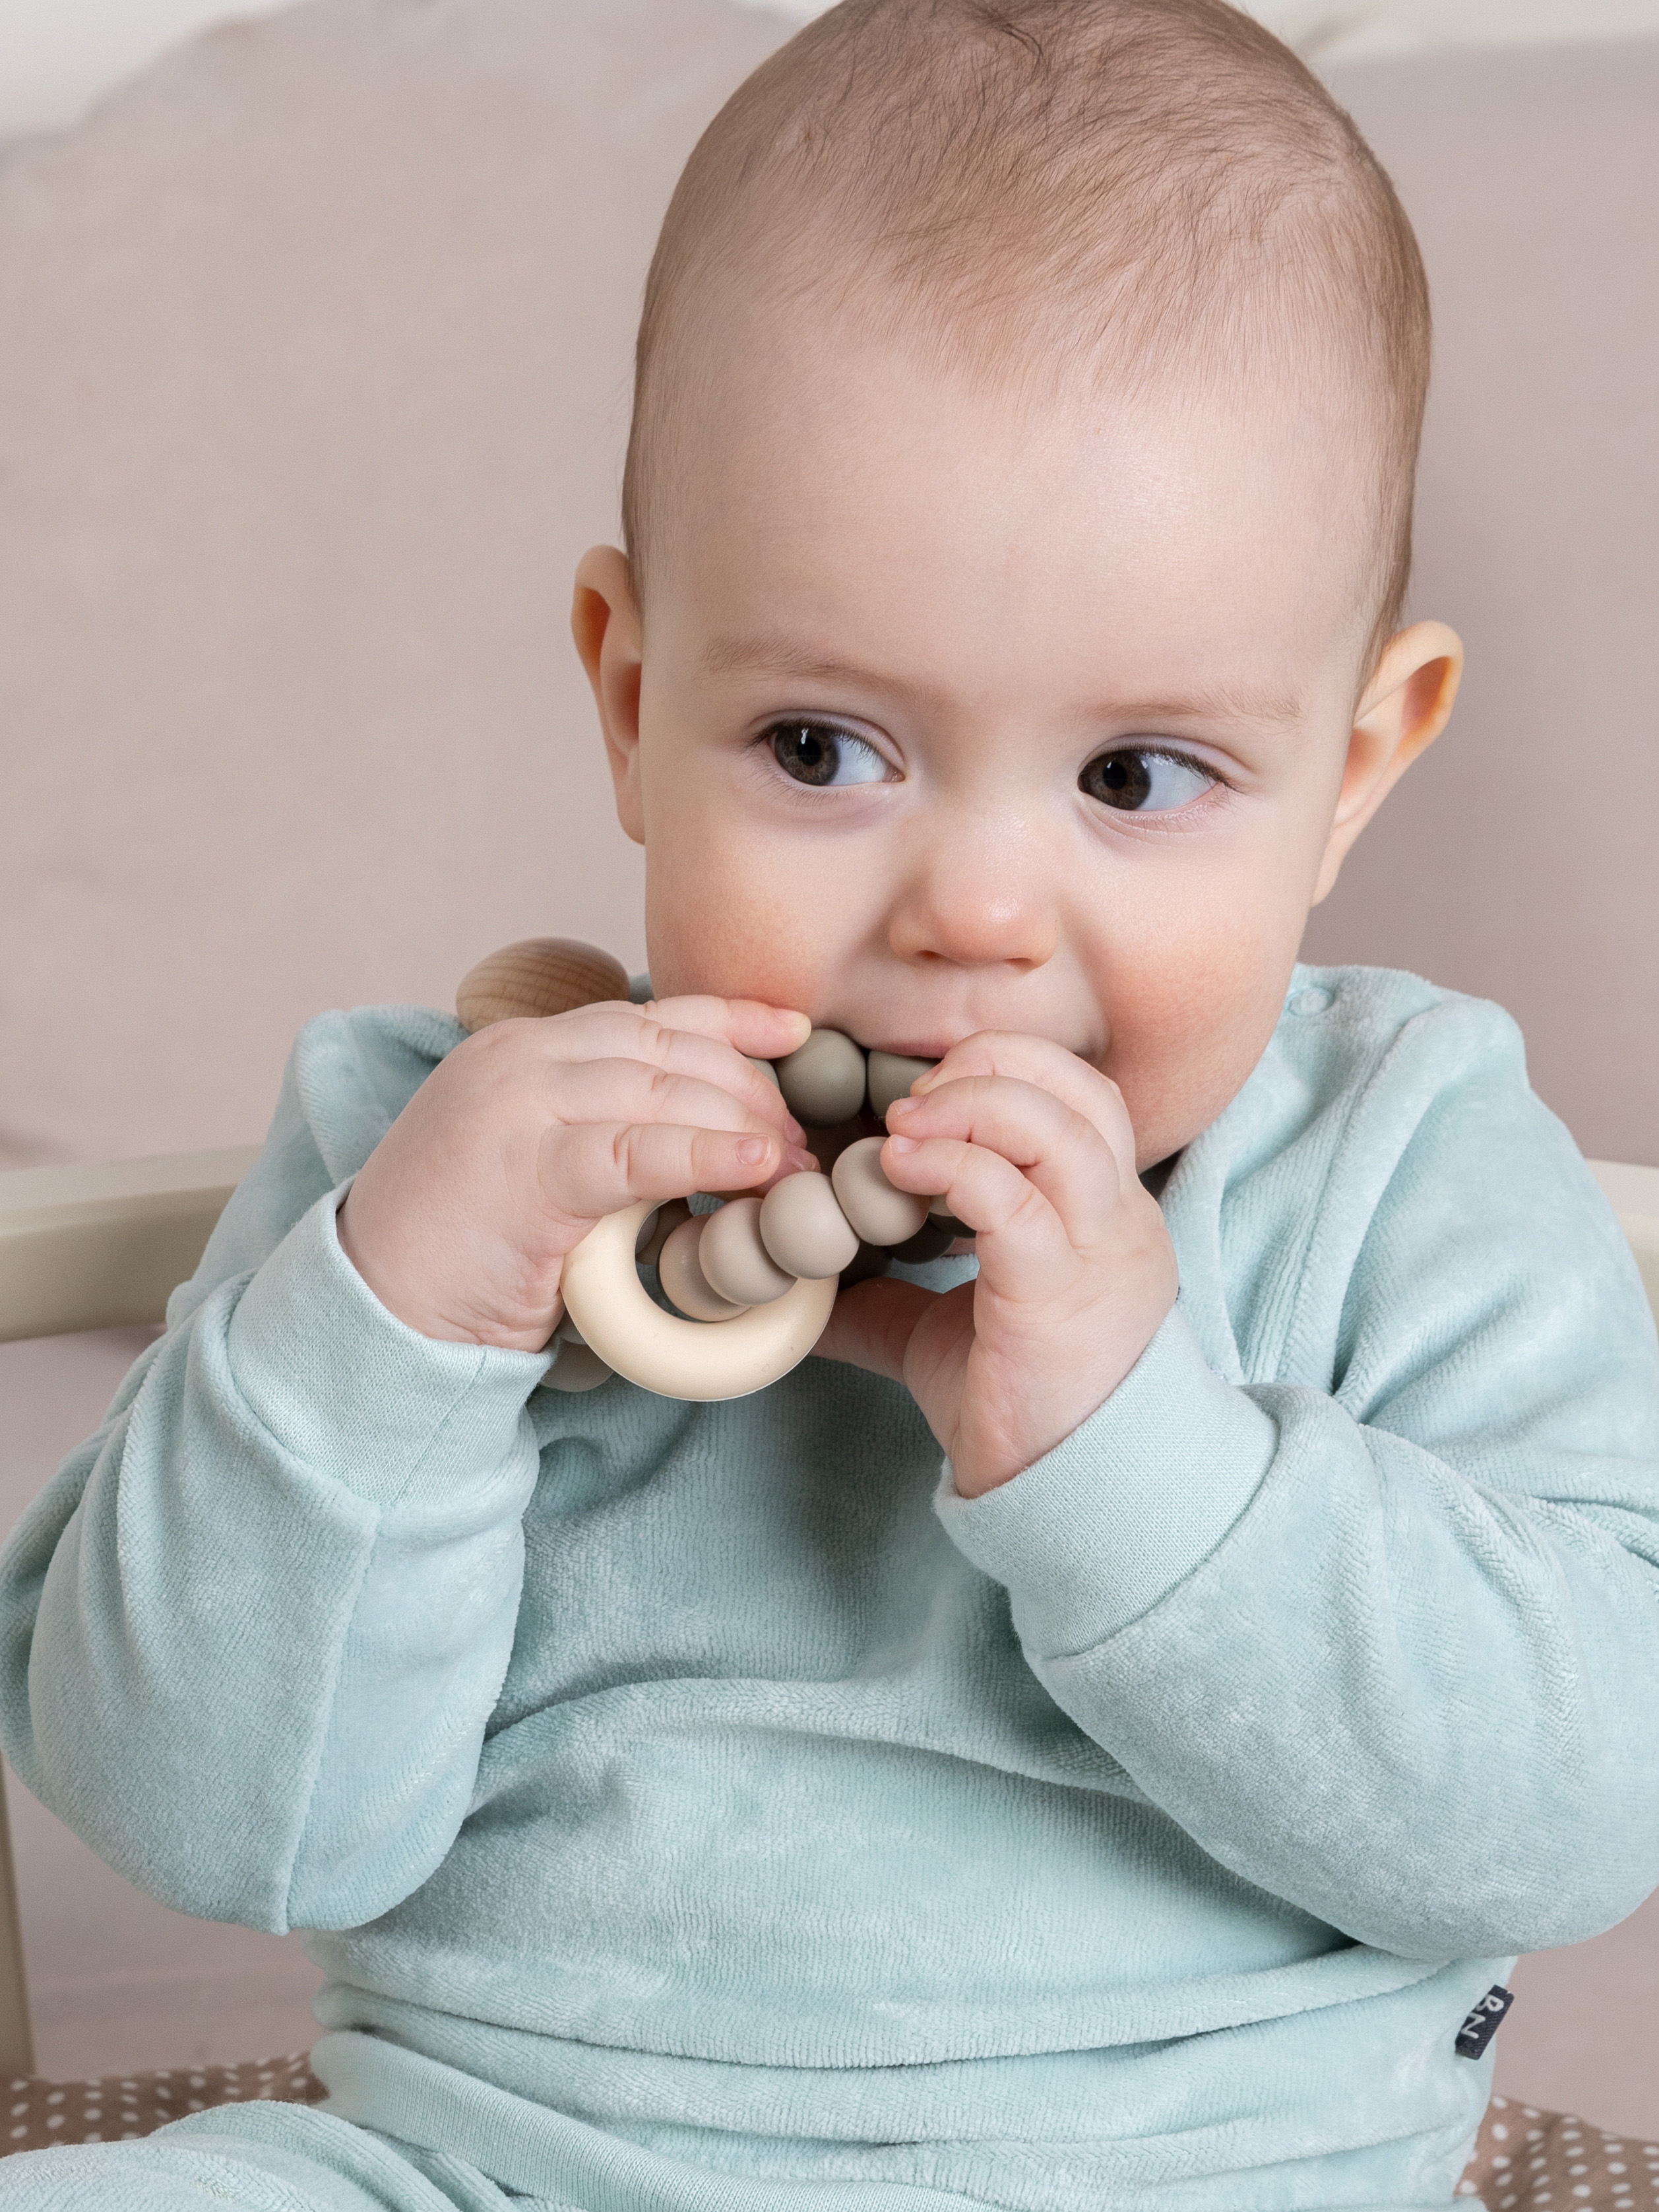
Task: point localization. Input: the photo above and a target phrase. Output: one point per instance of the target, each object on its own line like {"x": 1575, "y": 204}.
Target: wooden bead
{"x": 892, "y": 1074}
{"x": 735, "y": 1263}
{"x": 625, "y": 1327}
{"x": 880, "y": 1214}
{"x": 684, "y": 1284}
{"x": 804, "y": 1229}
{"x": 823, "y": 1081}
{"x": 538, "y": 975}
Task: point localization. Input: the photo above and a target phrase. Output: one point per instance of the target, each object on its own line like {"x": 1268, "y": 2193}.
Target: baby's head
{"x": 1018, "y": 516}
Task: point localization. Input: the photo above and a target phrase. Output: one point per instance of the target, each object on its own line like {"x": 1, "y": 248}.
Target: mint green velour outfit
{"x": 702, "y": 1809}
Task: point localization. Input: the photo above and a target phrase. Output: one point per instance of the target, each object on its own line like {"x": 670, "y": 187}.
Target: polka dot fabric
{"x": 1529, "y": 2160}
{"x": 1526, "y": 2159}
{"x": 122, "y": 2106}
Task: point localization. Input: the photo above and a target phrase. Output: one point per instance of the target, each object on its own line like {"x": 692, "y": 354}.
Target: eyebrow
{"x": 779, "y": 656}
{"x": 782, "y": 656}
{"x": 1222, "y": 702}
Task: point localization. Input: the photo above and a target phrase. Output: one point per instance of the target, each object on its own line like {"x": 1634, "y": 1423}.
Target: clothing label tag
{"x": 1482, "y": 2023}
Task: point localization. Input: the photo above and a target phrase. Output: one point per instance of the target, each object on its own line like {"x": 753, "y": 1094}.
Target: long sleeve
{"x": 1360, "y": 1582}
{"x": 252, "y": 1633}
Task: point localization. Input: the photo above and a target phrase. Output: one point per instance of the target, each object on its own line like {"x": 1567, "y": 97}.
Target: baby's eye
{"x": 818, "y": 753}
{"x": 1138, "y": 780}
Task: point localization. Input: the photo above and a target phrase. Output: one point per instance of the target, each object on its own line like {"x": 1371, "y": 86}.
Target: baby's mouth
{"x": 932, "y": 1052}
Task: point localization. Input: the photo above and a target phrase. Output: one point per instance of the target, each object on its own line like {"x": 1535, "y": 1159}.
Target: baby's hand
{"x": 531, "y": 1131}
{"x": 1032, "y": 1149}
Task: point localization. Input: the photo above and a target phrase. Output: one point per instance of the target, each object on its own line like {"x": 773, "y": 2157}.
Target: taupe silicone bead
{"x": 577, "y": 1368}
{"x": 823, "y": 1081}
{"x": 866, "y": 1263}
{"x": 660, "y": 1226}
{"x": 679, "y": 1270}
{"x": 804, "y": 1229}
{"x": 891, "y": 1075}
{"x": 880, "y": 1214}
{"x": 931, "y": 1241}
{"x": 538, "y": 975}
{"x": 827, "y": 1145}
{"x": 735, "y": 1263}
{"x": 765, "y": 1067}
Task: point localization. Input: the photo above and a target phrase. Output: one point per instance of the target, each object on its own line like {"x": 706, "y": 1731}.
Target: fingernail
{"x": 904, "y": 1144}
{"x": 903, "y": 1105}
{"x": 751, "y": 1151}
{"x": 800, "y": 1159}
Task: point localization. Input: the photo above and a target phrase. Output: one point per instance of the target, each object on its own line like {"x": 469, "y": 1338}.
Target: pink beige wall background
{"x": 313, "y": 364}
{"x": 312, "y": 382}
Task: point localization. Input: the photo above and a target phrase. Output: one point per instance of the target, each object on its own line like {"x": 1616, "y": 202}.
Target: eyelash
{"x": 1147, "y": 751}
{"x": 768, "y": 740}
{"x": 843, "y": 741}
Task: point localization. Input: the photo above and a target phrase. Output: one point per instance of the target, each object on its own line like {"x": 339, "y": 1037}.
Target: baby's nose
{"x": 979, "y": 906}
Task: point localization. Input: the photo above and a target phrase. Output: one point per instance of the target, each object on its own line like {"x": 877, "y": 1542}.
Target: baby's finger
{"x": 596, "y": 1169}
{"x": 1059, "y": 1150}
{"x": 1023, "y": 1250}
{"x": 621, "y": 1032}
{"x": 625, "y": 1090}
{"x": 1048, "y": 1066}
{"x": 748, "y": 1025}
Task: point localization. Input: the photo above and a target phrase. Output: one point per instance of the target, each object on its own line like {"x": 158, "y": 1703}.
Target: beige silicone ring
{"x": 698, "y": 1359}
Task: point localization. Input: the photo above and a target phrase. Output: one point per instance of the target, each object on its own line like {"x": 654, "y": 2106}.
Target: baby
{"x": 721, "y": 1808}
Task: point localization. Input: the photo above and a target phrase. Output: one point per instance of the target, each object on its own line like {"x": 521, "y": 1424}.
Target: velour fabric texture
{"x": 703, "y": 1805}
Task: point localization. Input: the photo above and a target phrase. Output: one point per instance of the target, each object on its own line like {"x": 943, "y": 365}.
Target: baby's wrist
{"x": 1055, "y": 1407}
{"x": 409, "y": 1300}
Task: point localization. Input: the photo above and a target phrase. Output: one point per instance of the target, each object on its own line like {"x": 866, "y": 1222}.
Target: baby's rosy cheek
{"x": 725, "y": 934}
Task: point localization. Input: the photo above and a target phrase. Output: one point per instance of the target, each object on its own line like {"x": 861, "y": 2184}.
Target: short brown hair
{"x": 1141, "y": 179}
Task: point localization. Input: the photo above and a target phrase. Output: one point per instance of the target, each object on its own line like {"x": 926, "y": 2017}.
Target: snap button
{"x": 1313, "y": 998}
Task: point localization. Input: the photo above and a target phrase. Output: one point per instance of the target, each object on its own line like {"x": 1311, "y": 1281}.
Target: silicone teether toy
{"x": 758, "y": 1277}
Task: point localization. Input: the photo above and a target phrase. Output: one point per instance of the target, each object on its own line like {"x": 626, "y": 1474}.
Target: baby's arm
{"x": 252, "y": 1634}
{"x": 1387, "y": 1643}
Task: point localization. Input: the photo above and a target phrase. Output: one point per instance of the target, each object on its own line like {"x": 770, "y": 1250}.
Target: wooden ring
{"x": 703, "y": 1360}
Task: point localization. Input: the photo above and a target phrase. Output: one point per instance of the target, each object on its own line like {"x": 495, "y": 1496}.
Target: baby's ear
{"x": 1401, "y": 712}
{"x": 605, "y": 621}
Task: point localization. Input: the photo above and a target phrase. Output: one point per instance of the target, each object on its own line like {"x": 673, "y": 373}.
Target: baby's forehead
{"x": 807, "y": 424}
{"x": 903, "y": 540}
{"x": 1143, "y": 161}
{"x": 1133, "y": 191}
